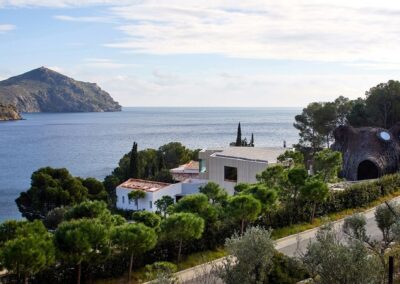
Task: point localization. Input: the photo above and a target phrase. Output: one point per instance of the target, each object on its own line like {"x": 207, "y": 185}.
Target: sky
{"x": 253, "y": 53}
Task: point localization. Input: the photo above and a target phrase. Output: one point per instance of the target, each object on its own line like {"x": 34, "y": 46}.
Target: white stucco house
{"x": 230, "y": 166}
{"x": 154, "y": 191}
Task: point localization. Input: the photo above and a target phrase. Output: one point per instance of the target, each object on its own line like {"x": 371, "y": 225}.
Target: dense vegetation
{"x": 75, "y": 234}
{"x": 379, "y": 108}
{"x": 86, "y": 240}
{"x": 151, "y": 164}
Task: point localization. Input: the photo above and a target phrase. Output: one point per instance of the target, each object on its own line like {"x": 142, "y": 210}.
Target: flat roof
{"x": 257, "y": 154}
{"x": 145, "y": 185}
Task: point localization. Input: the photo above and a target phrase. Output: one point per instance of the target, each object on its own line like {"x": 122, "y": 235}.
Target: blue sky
{"x": 224, "y": 53}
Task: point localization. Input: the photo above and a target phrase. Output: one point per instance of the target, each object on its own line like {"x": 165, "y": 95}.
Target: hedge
{"x": 355, "y": 196}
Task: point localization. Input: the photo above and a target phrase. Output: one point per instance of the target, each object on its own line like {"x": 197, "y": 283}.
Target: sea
{"x": 91, "y": 144}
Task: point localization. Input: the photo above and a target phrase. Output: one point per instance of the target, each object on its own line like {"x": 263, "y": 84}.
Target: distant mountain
{"x": 44, "y": 90}
{"x": 9, "y": 112}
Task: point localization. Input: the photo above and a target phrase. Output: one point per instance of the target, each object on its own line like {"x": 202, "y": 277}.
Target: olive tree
{"x": 133, "y": 239}
{"x": 182, "y": 227}
{"x": 250, "y": 257}
{"x": 331, "y": 260}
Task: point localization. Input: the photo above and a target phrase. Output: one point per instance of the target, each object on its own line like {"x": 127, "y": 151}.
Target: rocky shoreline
{"x": 44, "y": 90}
{"x": 9, "y": 112}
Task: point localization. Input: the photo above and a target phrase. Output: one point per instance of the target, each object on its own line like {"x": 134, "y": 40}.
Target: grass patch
{"x": 139, "y": 275}
{"x": 298, "y": 228}
{"x": 200, "y": 258}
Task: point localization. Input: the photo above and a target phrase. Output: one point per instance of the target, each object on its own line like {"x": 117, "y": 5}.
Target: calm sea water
{"x": 91, "y": 144}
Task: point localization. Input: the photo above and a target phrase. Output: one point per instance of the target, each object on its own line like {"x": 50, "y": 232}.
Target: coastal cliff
{"x": 9, "y": 112}
{"x": 44, "y": 90}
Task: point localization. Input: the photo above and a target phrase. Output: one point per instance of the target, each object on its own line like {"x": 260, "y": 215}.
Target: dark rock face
{"x": 368, "y": 152}
{"x": 44, "y": 90}
{"x": 9, "y": 112}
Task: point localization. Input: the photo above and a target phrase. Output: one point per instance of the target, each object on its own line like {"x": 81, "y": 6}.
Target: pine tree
{"x": 133, "y": 166}
{"x": 239, "y": 136}
{"x": 252, "y": 140}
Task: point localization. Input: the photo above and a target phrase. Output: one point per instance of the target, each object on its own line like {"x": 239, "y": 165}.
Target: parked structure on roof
{"x": 230, "y": 166}
{"x": 188, "y": 170}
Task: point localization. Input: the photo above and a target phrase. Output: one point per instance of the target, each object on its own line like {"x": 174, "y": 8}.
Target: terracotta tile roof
{"x": 145, "y": 185}
{"x": 190, "y": 166}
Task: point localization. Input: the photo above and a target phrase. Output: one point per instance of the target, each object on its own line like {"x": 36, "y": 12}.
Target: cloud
{"x": 311, "y": 30}
{"x": 263, "y": 89}
{"x": 103, "y": 63}
{"x": 61, "y": 3}
{"x": 6, "y": 28}
{"x": 283, "y": 30}
{"x": 56, "y": 68}
{"x": 84, "y": 19}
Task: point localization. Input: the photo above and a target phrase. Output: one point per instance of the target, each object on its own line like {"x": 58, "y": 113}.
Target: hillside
{"x": 44, "y": 90}
{"x": 9, "y": 112}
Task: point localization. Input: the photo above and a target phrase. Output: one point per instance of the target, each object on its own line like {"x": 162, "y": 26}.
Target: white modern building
{"x": 225, "y": 166}
{"x": 154, "y": 191}
{"x": 230, "y": 166}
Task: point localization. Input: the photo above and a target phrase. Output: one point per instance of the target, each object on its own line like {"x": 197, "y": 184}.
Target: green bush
{"x": 286, "y": 270}
{"x": 355, "y": 196}
{"x": 162, "y": 271}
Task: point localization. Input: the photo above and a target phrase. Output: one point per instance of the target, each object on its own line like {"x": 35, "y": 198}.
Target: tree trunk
{"x": 130, "y": 268}
{"x": 26, "y": 278}
{"x": 78, "y": 273}
{"x": 313, "y": 212}
{"x": 18, "y": 273}
{"x": 242, "y": 228}
{"x": 180, "y": 250}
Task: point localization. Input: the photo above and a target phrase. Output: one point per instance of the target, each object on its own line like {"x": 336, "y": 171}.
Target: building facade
{"x": 153, "y": 192}
{"x": 231, "y": 166}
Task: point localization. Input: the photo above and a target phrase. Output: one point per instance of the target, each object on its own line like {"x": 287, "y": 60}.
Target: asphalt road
{"x": 291, "y": 246}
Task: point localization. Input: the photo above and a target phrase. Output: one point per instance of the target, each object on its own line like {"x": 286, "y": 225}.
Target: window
{"x": 123, "y": 199}
{"x": 230, "y": 174}
{"x": 203, "y": 168}
{"x": 151, "y": 204}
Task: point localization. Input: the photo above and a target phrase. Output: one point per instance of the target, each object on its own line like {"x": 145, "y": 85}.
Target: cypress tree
{"x": 133, "y": 165}
{"x": 252, "y": 140}
{"x": 239, "y": 136}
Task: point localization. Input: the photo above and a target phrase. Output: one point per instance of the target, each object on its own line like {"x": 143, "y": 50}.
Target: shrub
{"x": 162, "y": 271}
